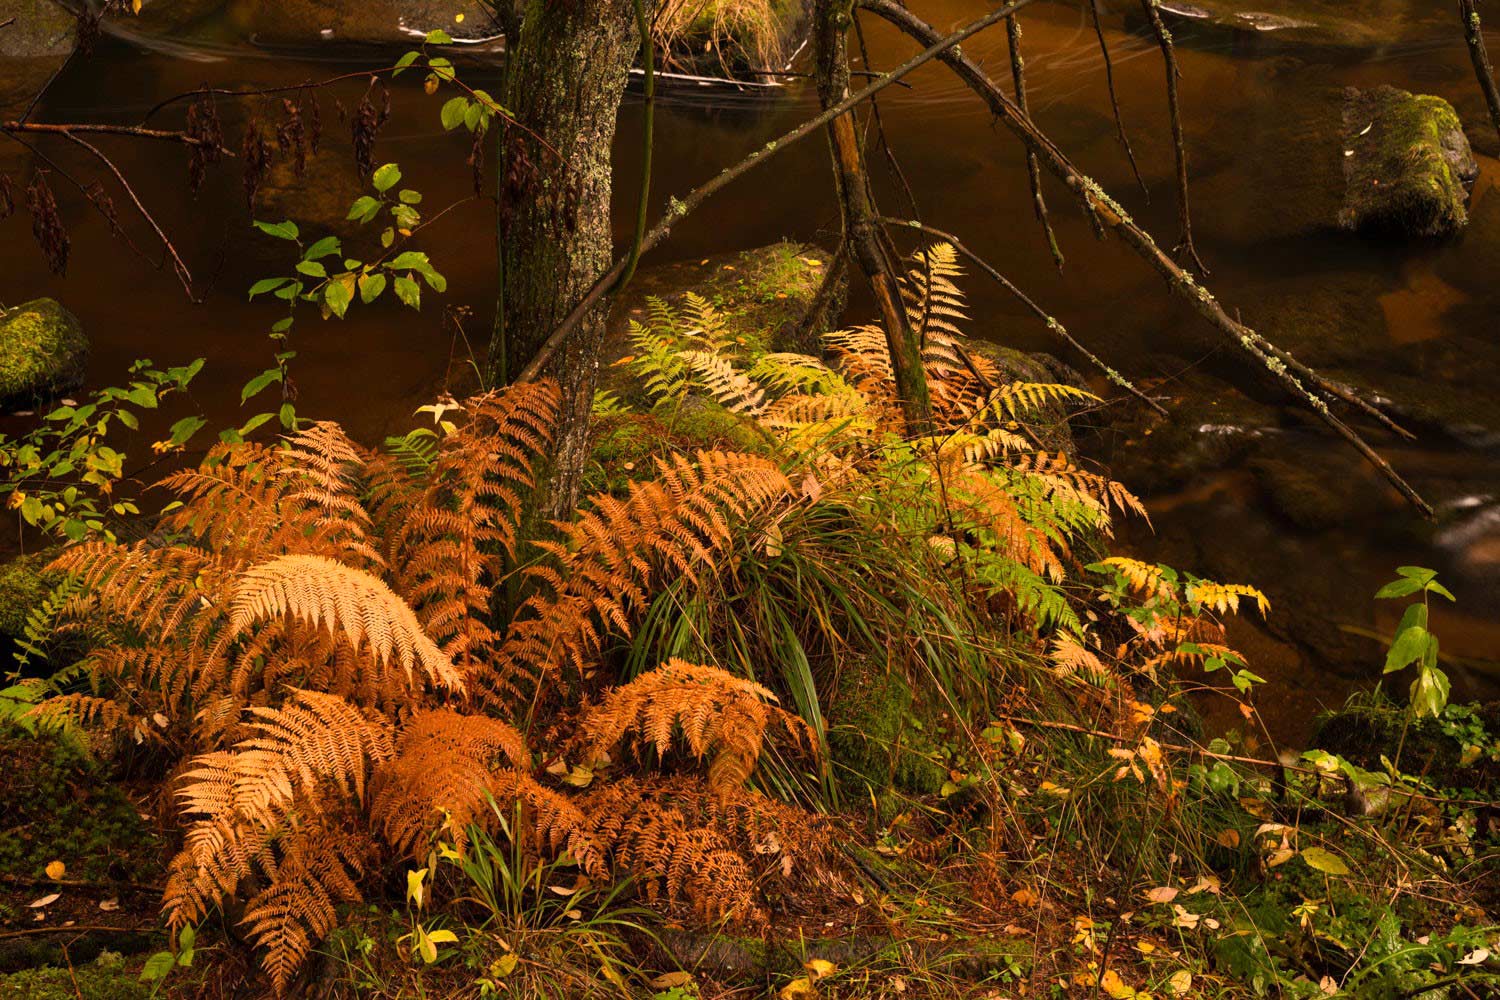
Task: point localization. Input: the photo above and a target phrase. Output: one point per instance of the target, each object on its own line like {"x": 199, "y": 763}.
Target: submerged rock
{"x": 300, "y": 23}
{"x": 32, "y": 46}
{"x": 1408, "y": 167}
{"x": 43, "y": 352}
{"x": 1294, "y": 24}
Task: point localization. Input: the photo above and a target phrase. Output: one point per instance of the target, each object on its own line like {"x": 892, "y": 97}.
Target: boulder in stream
{"x": 1408, "y": 168}
{"x": 1300, "y": 24}
{"x": 43, "y": 352}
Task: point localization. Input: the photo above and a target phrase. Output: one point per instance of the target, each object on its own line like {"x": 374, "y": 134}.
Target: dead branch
{"x": 1184, "y": 246}
{"x": 1474, "y": 34}
{"x": 1033, "y": 169}
{"x": 1047, "y": 318}
{"x": 1092, "y": 198}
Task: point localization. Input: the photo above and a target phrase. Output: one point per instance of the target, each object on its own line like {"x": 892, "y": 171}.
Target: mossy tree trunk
{"x": 566, "y": 68}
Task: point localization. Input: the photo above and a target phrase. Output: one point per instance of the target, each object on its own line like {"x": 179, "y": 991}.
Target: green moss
{"x": 106, "y": 978}
{"x": 43, "y": 352}
{"x": 63, "y": 807}
{"x": 1407, "y": 164}
{"x": 877, "y": 738}
{"x": 22, "y": 587}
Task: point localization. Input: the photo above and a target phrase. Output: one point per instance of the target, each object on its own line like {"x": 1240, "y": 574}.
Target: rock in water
{"x": 1408, "y": 167}
{"x": 43, "y": 352}
{"x": 33, "y": 45}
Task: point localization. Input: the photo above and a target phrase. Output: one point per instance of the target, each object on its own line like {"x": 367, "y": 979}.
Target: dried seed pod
{"x": 314, "y": 116}
{"x": 106, "y": 206}
{"x": 46, "y": 224}
{"x": 7, "y": 197}
{"x": 476, "y": 162}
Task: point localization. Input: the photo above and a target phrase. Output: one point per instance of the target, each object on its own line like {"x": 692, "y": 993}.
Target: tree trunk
{"x": 566, "y": 67}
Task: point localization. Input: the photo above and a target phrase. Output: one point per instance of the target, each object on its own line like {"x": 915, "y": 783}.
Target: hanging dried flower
{"x": 203, "y": 125}
{"x": 256, "y": 156}
{"x": 314, "y": 115}
{"x": 7, "y": 197}
{"x": 368, "y": 119}
{"x": 46, "y": 224}
{"x": 476, "y": 162}
{"x": 106, "y": 206}
{"x": 291, "y": 137}
{"x": 86, "y": 29}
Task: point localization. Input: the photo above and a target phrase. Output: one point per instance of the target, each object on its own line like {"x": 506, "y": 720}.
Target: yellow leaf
{"x": 503, "y": 966}
{"x": 1181, "y": 982}
{"x": 1115, "y": 986}
{"x": 797, "y": 988}
{"x": 820, "y": 967}
{"x": 135, "y": 6}
{"x": 1162, "y": 894}
{"x": 1228, "y": 838}
{"x": 668, "y": 980}
{"x": 443, "y": 937}
{"x": 56, "y": 869}
{"x": 1280, "y": 857}
{"x": 1024, "y": 897}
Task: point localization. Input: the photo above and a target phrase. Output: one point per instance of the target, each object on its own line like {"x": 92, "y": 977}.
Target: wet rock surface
{"x": 1408, "y": 167}
{"x": 301, "y": 23}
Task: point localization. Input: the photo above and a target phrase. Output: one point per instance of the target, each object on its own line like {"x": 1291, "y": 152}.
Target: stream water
{"x": 1242, "y": 485}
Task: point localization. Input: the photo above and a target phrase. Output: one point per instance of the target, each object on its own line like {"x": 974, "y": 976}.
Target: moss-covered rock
{"x": 1408, "y": 167}
{"x": 1459, "y": 750}
{"x": 1298, "y": 25}
{"x": 43, "y": 352}
{"x": 23, "y": 585}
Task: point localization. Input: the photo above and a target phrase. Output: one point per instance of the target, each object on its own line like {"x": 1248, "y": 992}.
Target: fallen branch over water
{"x": 1108, "y": 213}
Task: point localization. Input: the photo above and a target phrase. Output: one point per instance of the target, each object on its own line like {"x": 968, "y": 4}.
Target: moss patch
{"x": 877, "y": 737}
{"x": 22, "y": 587}
{"x": 105, "y": 978}
{"x": 1407, "y": 164}
{"x": 43, "y": 352}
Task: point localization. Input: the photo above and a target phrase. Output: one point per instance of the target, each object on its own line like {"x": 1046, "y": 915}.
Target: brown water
{"x": 1418, "y": 321}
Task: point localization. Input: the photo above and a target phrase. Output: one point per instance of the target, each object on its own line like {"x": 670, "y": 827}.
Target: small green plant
{"x": 62, "y": 475}
{"x": 1414, "y": 642}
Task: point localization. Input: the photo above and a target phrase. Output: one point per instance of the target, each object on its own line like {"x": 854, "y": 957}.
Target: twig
{"x": 1093, "y": 200}
{"x": 679, "y": 208}
{"x": 67, "y": 130}
{"x": 1169, "y": 56}
{"x": 1051, "y": 322}
{"x": 648, "y": 130}
{"x": 1468, "y": 10}
{"x": 183, "y": 274}
{"x": 80, "y": 928}
{"x": 1033, "y": 169}
{"x": 1114, "y": 99}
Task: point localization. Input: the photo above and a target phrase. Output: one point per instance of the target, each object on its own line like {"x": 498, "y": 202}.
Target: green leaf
{"x": 337, "y": 297}
{"x": 370, "y": 287}
{"x": 1429, "y": 692}
{"x": 267, "y": 285}
{"x": 386, "y": 177}
{"x": 1437, "y": 588}
{"x": 411, "y": 260}
{"x": 1421, "y": 574}
{"x": 437, "y": 281}
{"x": 1399, "y": 588}
{"x": 288, "y": 416}
{"x": 404, "y": 62}
{"x": 158, "y": 966}
{"x": 282, "y": 325}
{"x": 326, "y": 247}
{"x": 1409, "y": 647}
{"x": 409, "y": 292}
{"x": 439, "y": 37}
{"x": 185, "y": 429}
{"x": 410, "y": 197}
{"x": 253, "y": 423}
{"x": 312, "y": 268}
{"x": 281, "y": 230}
{"x": 258, "y": 383}
{"x": 1324, "y": 861}
{"x": 473, "y": 117}
{"x": 452, "y": 115}
{"x": 364, "y": 208}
